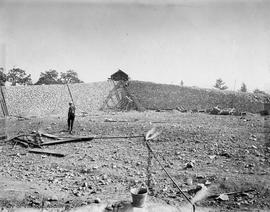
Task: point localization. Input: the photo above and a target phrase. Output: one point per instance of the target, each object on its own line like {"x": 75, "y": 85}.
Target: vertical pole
{"x": 149, "y": 171}
{"x": 70, "y": 94}
{"x": 234, "y": 95}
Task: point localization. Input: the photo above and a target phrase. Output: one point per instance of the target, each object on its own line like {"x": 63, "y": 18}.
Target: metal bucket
{"x": 139, "y": 196}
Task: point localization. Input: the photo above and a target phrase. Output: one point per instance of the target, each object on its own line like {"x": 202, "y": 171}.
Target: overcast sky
{"x": 191, "y": 40}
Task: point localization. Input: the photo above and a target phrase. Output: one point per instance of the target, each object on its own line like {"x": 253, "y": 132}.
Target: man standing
{"x": 71, "y": 116}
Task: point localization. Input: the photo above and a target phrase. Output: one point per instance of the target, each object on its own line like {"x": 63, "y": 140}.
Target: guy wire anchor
{"x": 150, "y": 135}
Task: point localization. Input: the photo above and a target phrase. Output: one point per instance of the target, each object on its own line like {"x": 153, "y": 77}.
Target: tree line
{"x": 17, "y": 76}
{"x": 220, "y": 84}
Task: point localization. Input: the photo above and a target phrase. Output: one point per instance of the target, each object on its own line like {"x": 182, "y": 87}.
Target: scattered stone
{"x": 257, "y": 153}
{"x": 212, "y": 156}
{"x": 97, "y": 200}
{"x": 253, "y": 138}
{"x": 46, "y": 204}
{"x": 95, "y": 167}
{"x": 189, "y": 165}
{"x": 109, "y": 208}
{"x": 53, "y": 198}
{"x": 109, "y": 120}
{"x": 199, "y": 176}
{"x": 223, "y": 197}
{"x": 225, "y": 154}
{"x": 207, "y": 183}
{"x": 189, "y": 181}
{"x": 85, "y": 185}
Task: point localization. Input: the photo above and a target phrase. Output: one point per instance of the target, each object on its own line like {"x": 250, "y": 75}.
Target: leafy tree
{"x": 257, "y": 91}
{"x": 220, "y": 84}
{"x": 243, "y": 88}
{"x": 3, "y": 77}
{"x": 19, "y": 76}
{"x": 48, "y": 77}
{"x": 69, "y": 77}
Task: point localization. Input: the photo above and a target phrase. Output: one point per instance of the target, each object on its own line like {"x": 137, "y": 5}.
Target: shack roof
{"x": 119, "y": 75}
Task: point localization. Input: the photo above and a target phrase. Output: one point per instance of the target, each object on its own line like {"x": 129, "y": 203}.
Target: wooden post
{"x": 70, "y": 94}
{"x": 3, "y": 104}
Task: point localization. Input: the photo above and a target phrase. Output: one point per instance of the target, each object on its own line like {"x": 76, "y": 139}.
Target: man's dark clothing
{"x": 71, "y": 117}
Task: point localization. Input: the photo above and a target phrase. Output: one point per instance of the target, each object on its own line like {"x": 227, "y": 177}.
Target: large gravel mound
{"x": 163, "y": 96}
{"x": 40, "y": 100}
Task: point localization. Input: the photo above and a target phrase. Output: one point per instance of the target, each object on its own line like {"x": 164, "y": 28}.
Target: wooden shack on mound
{"x": 120, "y": 98}
{"x": 119, "y": 76}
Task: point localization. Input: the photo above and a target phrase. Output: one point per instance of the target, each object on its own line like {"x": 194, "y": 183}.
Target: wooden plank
{"x": 68, "y": 140}
{"x": 46, "y": 152}
{"x": 48, "y": 135}
{"x": 22, "y": 142}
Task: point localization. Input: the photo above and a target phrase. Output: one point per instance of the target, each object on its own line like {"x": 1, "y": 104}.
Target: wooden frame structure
{"x": 119, "y": 98}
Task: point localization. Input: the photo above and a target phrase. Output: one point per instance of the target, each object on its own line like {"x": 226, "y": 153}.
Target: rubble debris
{"x": 264, "y": 113}
{"x": 254, "y": 147}
{"x": 201, "y": 193}
{"x": 223, "y": 197}
{"x": 189, "y": 181}
{"x": 215, "y": 111}
{"x": 224, "y": 112}
{"x": 225, "y": 154}
{"x": 27, "y": 140}
{"x": 3, "y": 137}
{"x": 21, "y": 142}
{"x": 109, "y": 120}
{"x": 253, "y": 137}
{"x": 194, "y": 110}
{"x": 97, "y": 200}
{"x": 195, "y": 189}
{"x": 207, "y": 182}
{"x": 216, "y": 196}
{"x": 189, "y": 165}
{"x": 212, "y": 156}
{"x": 21, "y": 118}
{"x": 202, "y": 111}
{"x": 181, "y": 109}
{"x": 53, "y": 198}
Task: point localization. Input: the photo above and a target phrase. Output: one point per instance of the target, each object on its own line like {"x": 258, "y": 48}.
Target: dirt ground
{"x": 227, "y": 154}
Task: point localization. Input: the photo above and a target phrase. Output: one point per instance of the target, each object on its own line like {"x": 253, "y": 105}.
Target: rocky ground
{"x": 225, "y": 153}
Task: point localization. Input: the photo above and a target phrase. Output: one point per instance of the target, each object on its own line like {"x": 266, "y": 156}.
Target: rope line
{"x": 154, "y": 155}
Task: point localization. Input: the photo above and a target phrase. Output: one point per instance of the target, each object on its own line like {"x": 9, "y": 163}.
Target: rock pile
{"x": 40, "y": 100}
{"x": 163, "y": 96}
